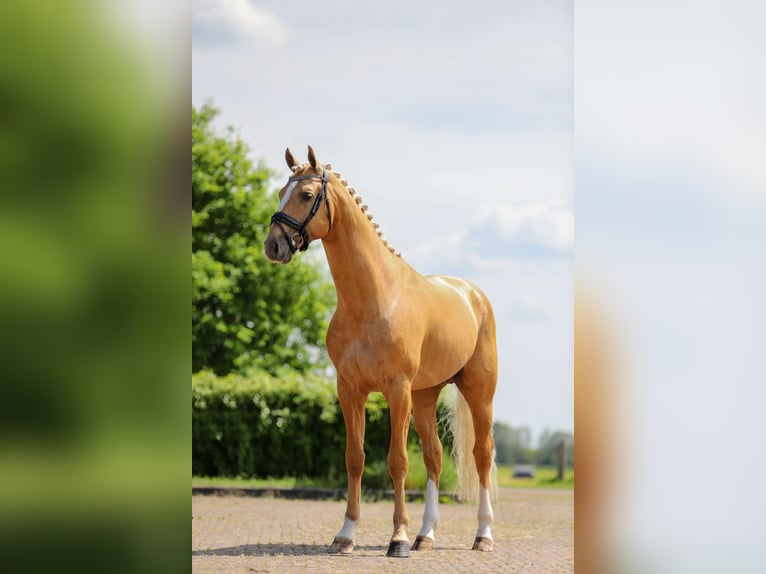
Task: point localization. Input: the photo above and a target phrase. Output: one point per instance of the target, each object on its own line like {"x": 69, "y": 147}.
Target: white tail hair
{"x": 463, "y": 439}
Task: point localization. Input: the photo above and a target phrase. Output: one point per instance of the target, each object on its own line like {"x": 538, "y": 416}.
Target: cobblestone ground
{"x": 533, "y": 531}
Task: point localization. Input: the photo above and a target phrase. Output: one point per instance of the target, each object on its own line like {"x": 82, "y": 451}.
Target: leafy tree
{"x": 246, "y": 311}
{"x": 513, "y": 445}
{"x": 547, "y": 449}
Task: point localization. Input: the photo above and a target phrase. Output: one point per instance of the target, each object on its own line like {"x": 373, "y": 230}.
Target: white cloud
{"x": 222, "y": 21}
{"x": 503, "y": 234}
{"x": 547, "y": 226}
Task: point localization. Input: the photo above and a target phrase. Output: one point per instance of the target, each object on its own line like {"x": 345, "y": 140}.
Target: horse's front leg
{"x": 352, "y": 404}
{"x": 399, "y": 403}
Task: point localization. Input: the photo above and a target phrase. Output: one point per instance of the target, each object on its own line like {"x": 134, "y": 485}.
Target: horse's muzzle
{"x": 277, "y": 250}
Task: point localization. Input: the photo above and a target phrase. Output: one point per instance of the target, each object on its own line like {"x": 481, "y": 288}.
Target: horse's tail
{"x": 463, "y": 439}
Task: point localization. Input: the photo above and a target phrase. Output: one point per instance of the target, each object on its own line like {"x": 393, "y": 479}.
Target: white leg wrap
{"x": 431, "y": 513}
{"x": 485, "y": 515}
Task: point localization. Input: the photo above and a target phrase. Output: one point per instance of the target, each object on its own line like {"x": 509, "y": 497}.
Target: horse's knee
{"x": 398, "y": 463}
{"x": 355, "y": 463}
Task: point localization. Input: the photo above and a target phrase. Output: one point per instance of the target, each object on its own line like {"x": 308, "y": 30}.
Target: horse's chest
{"x": 372, "y": 349}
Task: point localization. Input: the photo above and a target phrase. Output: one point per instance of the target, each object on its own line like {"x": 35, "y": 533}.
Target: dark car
{"x": 524, "y": 471}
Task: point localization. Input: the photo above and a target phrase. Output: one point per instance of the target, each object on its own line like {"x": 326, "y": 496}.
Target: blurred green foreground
{"x": 93, "y": 291}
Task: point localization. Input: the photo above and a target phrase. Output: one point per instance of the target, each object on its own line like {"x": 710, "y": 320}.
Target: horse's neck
{"x": 366, "y": 274}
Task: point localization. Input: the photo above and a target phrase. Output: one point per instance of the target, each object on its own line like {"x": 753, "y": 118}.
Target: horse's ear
{"x": 313, "y": 158}
{"x": 291, "y": 163}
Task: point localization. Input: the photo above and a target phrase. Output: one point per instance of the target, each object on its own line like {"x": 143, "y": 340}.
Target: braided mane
{"x": 363, "y": 206}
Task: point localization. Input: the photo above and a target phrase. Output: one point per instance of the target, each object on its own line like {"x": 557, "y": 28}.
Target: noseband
{"x": 281, "y": 217}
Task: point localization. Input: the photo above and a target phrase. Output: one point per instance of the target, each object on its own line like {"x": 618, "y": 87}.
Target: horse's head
{"x": 304, "y": 210}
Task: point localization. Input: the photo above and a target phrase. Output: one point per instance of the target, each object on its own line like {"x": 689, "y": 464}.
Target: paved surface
{"x": 533, "y": 530}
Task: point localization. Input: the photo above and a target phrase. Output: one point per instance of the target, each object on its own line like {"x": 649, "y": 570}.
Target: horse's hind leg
{"x": 477, "y": 383}
{"x": 424, "y": 413}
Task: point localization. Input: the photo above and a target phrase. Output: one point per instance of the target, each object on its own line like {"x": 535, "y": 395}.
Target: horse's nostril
{"x": 272, "y": 248}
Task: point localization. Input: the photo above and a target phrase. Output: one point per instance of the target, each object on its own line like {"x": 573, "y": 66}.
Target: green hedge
{"x": 291, "y": 425}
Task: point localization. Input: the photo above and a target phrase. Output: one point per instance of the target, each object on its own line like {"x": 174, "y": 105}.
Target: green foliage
{"x": 94, "y": 267}
{"x": 376, "y": 473}
{"x": 246, "y": 311}
{"x": 260, "y": 426}
{"x": 417, "y": 476}
{"x": 513, "y": 445}
{"x": 548, "y": 448}
{"x": 286, "y": 425}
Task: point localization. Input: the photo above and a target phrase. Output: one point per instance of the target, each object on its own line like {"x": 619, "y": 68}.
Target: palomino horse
{"x": 399, "y": 333}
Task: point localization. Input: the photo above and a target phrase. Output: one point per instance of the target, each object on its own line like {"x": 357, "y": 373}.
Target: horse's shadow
{"x": 278, "y": 549}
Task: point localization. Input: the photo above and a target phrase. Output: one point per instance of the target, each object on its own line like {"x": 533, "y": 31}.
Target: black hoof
{"x": 423, "y": 543}
{"x": 483, "y": 544}
{"x": 398, "y": 549}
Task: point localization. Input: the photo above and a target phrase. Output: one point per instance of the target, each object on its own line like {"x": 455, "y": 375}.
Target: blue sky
{"x": 453, "y": 123}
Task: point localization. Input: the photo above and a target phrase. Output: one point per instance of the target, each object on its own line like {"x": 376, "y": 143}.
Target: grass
{"x": 287, "y": 482}
{"x": 544, "y": 478}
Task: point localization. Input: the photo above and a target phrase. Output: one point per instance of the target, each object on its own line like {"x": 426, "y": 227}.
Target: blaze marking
{"x": 286, "y": 196}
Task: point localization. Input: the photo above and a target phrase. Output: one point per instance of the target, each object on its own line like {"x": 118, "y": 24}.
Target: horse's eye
{"x": 307, "y": 196}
